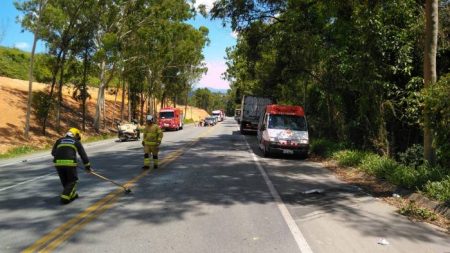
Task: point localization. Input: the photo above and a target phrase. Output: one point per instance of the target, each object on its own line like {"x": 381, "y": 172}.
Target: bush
{"x": 438, "y": 109}
{"x": 414, "y": 211}
{"x": 188, "y": 121}
{"x": 404, "y": 176}
{"x": 324, "y": 148}
{"x": 43, "y": 104}
{"x": 413, "y": 156}
{"x": 21, "y": 150}
{"x": 378, "y": 166}
{"x": 400, "y": 174}
{"x": 349, "y": 158}
{"x": 439, "y": 190}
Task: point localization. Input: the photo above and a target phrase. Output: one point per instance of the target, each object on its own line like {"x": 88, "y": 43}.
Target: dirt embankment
{"x": 13, "y": 103}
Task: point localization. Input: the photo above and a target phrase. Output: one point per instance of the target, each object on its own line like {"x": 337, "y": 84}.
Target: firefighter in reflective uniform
{"x": 64, "y": 154}
{"x": 151, "y": 141}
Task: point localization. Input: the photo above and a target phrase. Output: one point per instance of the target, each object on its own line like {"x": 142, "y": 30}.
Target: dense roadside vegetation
{"x": 408, "y": 172}
{"x": 357, "y": 67}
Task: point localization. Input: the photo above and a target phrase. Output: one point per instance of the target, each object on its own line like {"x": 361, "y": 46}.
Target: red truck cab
{"x": 170, "y": 118}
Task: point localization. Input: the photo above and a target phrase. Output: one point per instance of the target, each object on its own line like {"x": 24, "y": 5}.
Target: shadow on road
{"x": 219, "y": 170}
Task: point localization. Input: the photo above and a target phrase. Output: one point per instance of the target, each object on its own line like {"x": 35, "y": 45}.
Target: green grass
{"x": 349, "y": 158}
{"x": 414, "y": 211}
{"x": 433, "y": 181}
{"x": 23, "y": 150}
{"x": 324, "y": 147}
{"x": 439, "y": 190}
{"x": 188, "y": 121}
{"x": 18, "y": 151}
{"x": 99, "y": 137}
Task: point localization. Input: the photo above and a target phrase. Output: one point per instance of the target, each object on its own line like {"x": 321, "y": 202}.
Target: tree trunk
{"x": 60, "y": 92}
{"x": 30, "y": 87}
{"x": 54, "y": 74}
{"x": 101, "y": 88}
{"x": 114, "y": 107}
{"x": 122, "y": 105}
{"x": 129, "y": 103}
{"x": 83, "y": 88}
{"x": 429, "y": 66}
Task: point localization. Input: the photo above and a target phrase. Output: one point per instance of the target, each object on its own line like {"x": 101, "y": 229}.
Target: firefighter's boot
{"x": 146, "y": 162}
{"x": 155, "y": 162}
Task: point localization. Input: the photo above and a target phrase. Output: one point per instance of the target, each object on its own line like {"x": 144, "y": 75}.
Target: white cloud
{"x": 208, "y": 3}
{"x": 21, "y": 45}
{"x": 234, "y": 34}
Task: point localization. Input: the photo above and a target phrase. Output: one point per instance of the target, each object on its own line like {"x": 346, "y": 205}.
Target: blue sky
{"x": 11, "y": 36}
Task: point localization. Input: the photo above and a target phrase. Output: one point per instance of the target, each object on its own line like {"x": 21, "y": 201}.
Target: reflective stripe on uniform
{"x": 65, "y": 163}
{"x": 67, "y": 145}
{"x": 146, "y": 161}
{"x": 151, "y": 143}
{"x": 65, "y": 197}
{"x": 74, "y": 191}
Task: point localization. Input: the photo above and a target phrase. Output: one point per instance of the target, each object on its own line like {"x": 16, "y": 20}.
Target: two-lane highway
{"x": 213, "y": 193}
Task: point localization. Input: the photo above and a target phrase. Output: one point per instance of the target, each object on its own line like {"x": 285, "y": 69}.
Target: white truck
{"x": 219, "y": 114}
{"x": 251, "y": 108}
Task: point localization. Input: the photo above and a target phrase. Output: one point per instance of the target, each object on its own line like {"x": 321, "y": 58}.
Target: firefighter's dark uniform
{"x": 65, "y": 159}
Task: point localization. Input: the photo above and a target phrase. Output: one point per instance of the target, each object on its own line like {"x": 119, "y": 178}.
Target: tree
{"x": 33, "y": 11}
{"x": 429, "y": 69}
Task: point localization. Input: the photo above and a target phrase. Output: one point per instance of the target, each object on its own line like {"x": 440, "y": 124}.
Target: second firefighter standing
{"x": 152, "y": 137}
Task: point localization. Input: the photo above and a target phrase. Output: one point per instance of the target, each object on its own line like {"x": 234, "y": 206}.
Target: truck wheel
{"x": 266, "y": 151}
{"x": 243, "y": 132}
{"x": 303, "y": 155}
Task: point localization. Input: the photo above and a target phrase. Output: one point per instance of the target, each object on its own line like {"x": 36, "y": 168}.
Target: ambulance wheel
{"x": 303, "y": 155}
{"x": 266, "y": 151}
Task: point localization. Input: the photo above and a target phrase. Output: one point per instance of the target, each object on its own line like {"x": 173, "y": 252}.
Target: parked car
{"x": 216, "y": 119}
{"x": 209, "y": 121}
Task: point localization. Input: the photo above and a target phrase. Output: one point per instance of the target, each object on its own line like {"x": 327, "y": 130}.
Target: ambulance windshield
{"x": 292, "y": 122}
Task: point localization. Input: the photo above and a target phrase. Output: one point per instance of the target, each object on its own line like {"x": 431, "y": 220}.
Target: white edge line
{"x": 295, "y": 231}
{"x": 24, "y": 182}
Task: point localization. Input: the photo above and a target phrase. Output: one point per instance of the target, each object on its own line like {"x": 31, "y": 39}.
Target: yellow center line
{"x": 53, "y": 239}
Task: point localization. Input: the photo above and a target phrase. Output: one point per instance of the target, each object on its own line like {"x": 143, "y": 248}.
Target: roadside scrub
{"x": 17, "y": 151}
{"x": 410, "y": 172}
{"x": 26, "y": 149}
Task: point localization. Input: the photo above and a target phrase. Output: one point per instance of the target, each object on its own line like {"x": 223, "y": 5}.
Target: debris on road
{"x": 383, "y": 241}
{"x": 313, "y": 191}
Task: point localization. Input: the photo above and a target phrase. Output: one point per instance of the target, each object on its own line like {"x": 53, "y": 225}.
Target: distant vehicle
{"x": 283, "y": 129}
{"x": 251, "y": 109}
{"x": 216, "y": 119}
{"x": 128, "y": 130}
{"x": 209, "y": 121}
{"x": 170, "y": 118}
{"x": 219, "y": 113}
{"x": 237, "y": 115}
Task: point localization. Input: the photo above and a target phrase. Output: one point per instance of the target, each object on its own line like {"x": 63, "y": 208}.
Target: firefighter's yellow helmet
{"x": 74, "y": 132}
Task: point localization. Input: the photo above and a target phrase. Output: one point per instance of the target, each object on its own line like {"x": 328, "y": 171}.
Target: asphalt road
{"x": 213, "y": 193}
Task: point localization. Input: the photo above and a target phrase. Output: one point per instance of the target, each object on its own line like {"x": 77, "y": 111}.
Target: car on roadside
{"x": 216, "y": 119}
{"x": 209, "y": 121}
